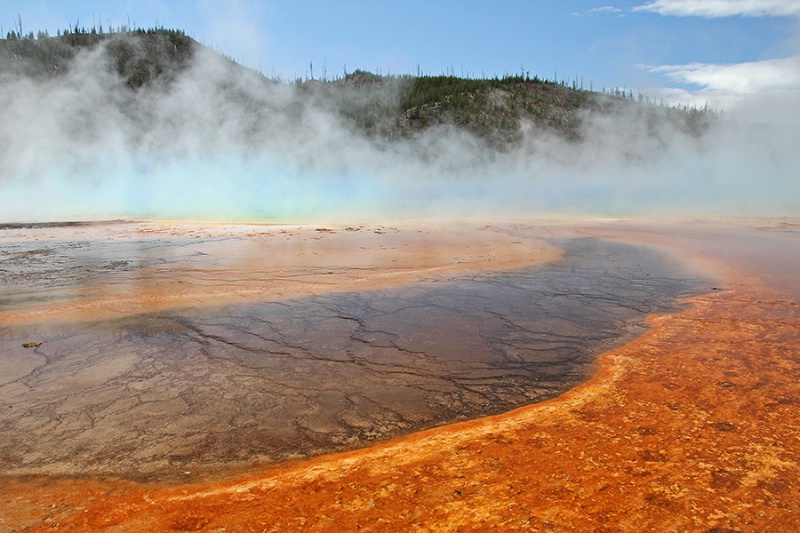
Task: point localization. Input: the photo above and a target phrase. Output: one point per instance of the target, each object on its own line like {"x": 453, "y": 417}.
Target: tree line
{"x": 97, "y": 28}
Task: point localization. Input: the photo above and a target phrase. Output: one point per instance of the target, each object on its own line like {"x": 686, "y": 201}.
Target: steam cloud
{"x": 214, "y": 145}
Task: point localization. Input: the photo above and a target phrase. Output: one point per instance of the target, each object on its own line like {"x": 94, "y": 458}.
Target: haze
{"x": 85, "y": 147}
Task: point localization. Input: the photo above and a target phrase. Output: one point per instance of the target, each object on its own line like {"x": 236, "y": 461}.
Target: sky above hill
{"x": 689, "y": 51}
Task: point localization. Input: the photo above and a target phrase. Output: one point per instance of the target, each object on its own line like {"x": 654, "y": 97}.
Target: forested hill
{"x": 139, "y": 57}
{"x": 383, "y": 107}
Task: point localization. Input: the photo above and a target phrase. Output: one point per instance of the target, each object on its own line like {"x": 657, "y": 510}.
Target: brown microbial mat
{"x": 690, "y": 426}
{"x": 162, "y": 393}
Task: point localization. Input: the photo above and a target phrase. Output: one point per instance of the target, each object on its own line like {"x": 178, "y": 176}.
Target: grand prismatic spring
{"x": 339, "y": 300}
{"x": 572, "y": 375}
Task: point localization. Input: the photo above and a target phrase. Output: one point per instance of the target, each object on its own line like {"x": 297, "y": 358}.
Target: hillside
{"x": 493, "y": 109}
{"x": 385, "y": 107}
{"x": 139, "y": 57}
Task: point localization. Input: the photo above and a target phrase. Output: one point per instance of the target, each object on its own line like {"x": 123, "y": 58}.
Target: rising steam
{"x": 217, "y": 143}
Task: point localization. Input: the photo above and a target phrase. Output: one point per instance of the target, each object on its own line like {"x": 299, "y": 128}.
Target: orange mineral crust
{"x": 123, "y": 269}
{"x": 691, "y": 427}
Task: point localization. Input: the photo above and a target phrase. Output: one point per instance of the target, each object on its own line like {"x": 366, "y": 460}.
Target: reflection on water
{"x": 160, "y": 394}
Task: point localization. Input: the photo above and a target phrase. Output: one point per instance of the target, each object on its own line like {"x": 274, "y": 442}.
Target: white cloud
{"x": 728, "y": 86}
{"x": 723, "y": 8}
{"x": 740, "y": 78}
{"x": 598, "y": 11}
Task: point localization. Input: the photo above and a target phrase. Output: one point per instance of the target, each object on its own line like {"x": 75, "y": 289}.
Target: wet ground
{"x": 691, "y": 426}
{"x": 175, "y": 393}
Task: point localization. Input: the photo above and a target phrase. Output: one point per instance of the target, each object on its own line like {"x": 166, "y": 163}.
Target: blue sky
{"x": 684, "y": 50}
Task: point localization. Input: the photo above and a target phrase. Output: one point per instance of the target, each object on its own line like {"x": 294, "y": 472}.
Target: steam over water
{"x": 220, "y": 144}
